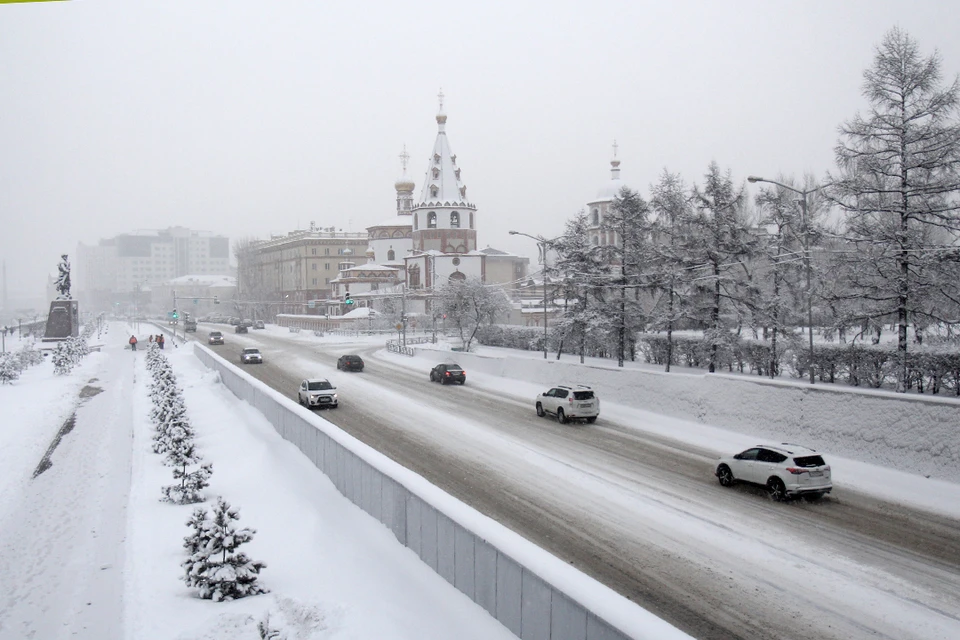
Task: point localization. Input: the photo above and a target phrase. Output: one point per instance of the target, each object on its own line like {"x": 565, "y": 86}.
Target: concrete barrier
{"x": 484, "y": 560}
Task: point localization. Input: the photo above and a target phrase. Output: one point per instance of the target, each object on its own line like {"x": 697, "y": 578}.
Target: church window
{"x": 595, "y": 217}
{"x": 433, "y": 191}
{"x": 391, "y": 256}
{"x": 326, "y": 251}
{"x": 313, "y": 267}
{"x": 471, "y": 219}
{"x": 454, "y": 220}
{"x": 432, "y": 220}
{"x": 416, "y": 221}
{"x": 436, "y": 173}
{"x": 458, "y": 173}
{"x": 414, "y": 276}
{"x": 436, "y": 158}
{"x": 463, "y": 192}
{"x": 458, "y": 276}
{"x": 453, "y": 159}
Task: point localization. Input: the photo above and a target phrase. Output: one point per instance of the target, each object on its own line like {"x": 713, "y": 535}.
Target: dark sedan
{"x": 447, "y": 373}
{"x": 350, "y": 363}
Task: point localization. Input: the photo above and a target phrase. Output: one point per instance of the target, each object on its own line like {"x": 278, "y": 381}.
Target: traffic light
{"x": 348, "y": 301}
{"x": 175, "y": 314}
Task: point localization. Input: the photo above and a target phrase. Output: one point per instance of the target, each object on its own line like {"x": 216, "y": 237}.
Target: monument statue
{"x": 63, "y": 280}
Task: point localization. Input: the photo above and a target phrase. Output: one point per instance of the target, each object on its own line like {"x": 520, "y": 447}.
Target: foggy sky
{"x": 249, "y": 118}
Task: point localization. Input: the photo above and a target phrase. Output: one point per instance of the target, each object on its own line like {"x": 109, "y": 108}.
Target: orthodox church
{"x": 431, "y": 239}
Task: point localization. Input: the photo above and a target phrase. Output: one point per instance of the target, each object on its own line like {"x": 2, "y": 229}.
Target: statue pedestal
{"x": 63, "y": 321}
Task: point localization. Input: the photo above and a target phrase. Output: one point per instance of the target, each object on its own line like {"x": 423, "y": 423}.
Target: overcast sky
{"x": 249, "y": 118}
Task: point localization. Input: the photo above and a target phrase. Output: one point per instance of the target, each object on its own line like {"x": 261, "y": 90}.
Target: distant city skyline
{"x": 247, "y": 119}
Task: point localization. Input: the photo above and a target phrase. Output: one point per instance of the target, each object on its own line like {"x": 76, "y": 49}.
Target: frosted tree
{"x": 62, "y": 358}
{"x": 898, "y": 182}
{"x": 181, "y": 455}
{"x": 469, "y": 303}
{"x": 9, "y": 368}
{"x": 216, "y": 567}
{"x": 719, "y": 252}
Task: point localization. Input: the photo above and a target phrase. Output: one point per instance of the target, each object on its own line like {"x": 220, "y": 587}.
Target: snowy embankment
{"x": 911, "y": 434}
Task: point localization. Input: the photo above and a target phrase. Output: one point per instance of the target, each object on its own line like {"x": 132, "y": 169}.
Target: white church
{"x": 430, "y": 239}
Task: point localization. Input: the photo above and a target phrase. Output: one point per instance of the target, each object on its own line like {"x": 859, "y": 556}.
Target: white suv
{"x": 786, "y": 470}
{"x": 569, "y": 403}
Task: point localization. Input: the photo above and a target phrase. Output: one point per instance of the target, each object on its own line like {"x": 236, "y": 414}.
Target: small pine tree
{"x": 216, "y": 568}
{"x": 62, "y": 360}
{"x": 181, "y": 455}
{"x": 198, "y": 531}
{"x": 9, "y": 368}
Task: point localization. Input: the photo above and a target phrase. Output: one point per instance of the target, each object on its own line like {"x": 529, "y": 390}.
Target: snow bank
{"x": 908, "y": 433}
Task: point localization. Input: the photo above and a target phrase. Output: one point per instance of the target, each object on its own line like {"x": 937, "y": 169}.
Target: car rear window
{"x": 809, "y": 461}
{"x": 583, "y": 395}
{"x": 320, "y": 386}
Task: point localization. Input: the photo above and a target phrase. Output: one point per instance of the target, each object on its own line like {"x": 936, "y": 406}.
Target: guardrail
{"x": 394, "y": 346}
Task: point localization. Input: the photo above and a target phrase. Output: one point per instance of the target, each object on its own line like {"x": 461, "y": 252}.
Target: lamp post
{"x": 806, "y": 253}
{"x": 542, "y": 246}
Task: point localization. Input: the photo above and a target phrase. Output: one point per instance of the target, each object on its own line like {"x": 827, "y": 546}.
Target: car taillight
{"x": 446, "y": 373}
{"x": 796, "y": 470}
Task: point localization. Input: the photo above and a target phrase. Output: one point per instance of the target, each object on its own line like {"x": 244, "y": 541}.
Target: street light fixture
{"x": 542, "y": 245}
{"x": 806, "y": 253}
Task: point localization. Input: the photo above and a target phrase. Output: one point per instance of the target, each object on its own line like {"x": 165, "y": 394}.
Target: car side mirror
{"x": 737, "y": 457}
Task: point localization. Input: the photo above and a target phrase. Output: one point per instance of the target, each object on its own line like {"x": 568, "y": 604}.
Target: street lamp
{"x": 806, "y": 252}
{"x": 542, "y": 245}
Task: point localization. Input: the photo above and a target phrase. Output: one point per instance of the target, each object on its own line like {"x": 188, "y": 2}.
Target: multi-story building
{"x": 298, "y": 267}
{"x": 117, "y": 267}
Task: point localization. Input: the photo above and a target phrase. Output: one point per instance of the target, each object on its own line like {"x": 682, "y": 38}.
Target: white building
{"x": 599, "y": 207}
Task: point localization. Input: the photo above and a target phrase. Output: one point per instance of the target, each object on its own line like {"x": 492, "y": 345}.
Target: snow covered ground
{"x": 74, "y": 565}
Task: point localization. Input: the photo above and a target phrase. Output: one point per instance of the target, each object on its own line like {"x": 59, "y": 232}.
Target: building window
{"x": 313, "y": 267}
{"x": 436, "y": 173}
{"x": 595, "y": 217}
{"x": 414, "y": 276}
{"x": 314, "y": 281}
{"x": 391, "y": 256}
{"x": 416, "y": 220}
{"x": 340, "y": 251}
{"x": 326, "y": 251}
{"x": 432, "y": 220}
{"x": 471, "y": 219}
{"x": 454, "y": 220}
{"x": 326, "y": 266}
{"x": 313, "y": 251}
{"x": 433, "y": 191}
{"x": 326, "y": 281}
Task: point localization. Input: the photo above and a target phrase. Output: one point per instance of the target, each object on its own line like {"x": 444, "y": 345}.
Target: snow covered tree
{"x": 720, "y": 250}
{"x": 216, "y": 567}
{"x": 628, "y": 257}
{"x": 29, "y": 356}
{"x": 898, "y": 182}
{"x": 582, "y": 272}
{"x": 172, "y": 425}
{"x": 469, "y": 303}
{"x": 198, "y": 537}
{"x": 9, "y": 368}
{"x": 182, "y": 454}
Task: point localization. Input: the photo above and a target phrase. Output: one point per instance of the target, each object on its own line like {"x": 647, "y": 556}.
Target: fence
{"x": 464, "y": 547}
{"x": 394, "y": 346}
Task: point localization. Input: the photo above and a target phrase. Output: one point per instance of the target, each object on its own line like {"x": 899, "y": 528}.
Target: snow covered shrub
{"x": 9, "y": 368}
{"x": 181, "y": 455}
{"x": 63, "y": 361}
{"x": 215, "y": 567}
{"x": 172, "y": 426}
{"x": 29, "y": 356}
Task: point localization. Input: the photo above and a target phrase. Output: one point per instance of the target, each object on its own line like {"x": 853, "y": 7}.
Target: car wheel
{"x": 592, "y": 419}
{"x": 300, "y": 399}
{"x": 813, "y": 497}
{"x": 724, "y": 475}
{"x": 561, "y": 416}
{"x": 432, "y": 377}
{"x": 777, "y": 490}
{"x": 463, "y": 382}
{"x": 540, "y": 411}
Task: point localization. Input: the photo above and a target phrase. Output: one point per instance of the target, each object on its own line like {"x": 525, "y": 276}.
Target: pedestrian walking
{"x": 133, "y": 343}
{"x": 161, "y": 340}
{"x": 151, "y": 337}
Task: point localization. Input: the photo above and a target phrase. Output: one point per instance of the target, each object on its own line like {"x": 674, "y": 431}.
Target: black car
{"x": 240, "y": 328}
{"x": 350, "y": 363}
{"x": 445, "y": 373}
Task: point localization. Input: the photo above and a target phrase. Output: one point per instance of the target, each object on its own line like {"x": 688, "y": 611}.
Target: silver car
{"x": 251, "y": 355}
{"x": 318, "y": 393}
{"x": 786, "y": 470}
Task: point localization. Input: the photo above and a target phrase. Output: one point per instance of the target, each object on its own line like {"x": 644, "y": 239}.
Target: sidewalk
{"x": 62, "y": 523}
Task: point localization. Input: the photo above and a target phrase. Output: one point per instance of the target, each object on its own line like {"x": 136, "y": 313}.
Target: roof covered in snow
{"x": 611, "y": 189}
{"x": 399, "y": 220}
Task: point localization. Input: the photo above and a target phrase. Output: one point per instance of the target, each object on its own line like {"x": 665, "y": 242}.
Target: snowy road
{"x": 643, "y": 513}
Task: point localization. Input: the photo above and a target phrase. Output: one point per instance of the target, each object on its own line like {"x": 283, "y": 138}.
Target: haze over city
{"x": 247, "y": 118}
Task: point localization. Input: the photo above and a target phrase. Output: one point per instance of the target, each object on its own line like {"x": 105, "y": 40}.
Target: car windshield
{"x": 215, "y": 334}
{"x": 319, "y": 385}
{"x": 583, "y": 395}
{"x": 252, "y": 351}
{"x": 809, "y": 461}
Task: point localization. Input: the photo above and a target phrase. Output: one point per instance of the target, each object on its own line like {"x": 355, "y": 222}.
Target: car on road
{"x": 569, "y": 403}
{"x": 251, "y": 355}
{"x": 215, "y": 337}
{"x": 447, "y": 373}
{"x": 317, "y": 393}
{"x": 786, "y": 470}
{"x": 350, "y": 363}
{"x": 240, "y": 328}
{"x": 259, "y": 325}
{"x": 190, "y": 325}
